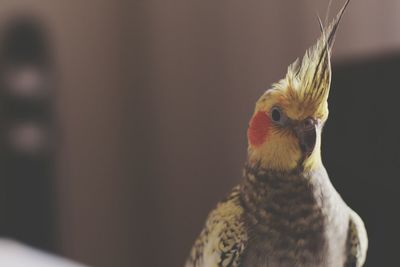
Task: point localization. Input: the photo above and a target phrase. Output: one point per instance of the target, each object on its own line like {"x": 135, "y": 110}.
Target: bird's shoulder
{"x": 357, "y": 241}
{"x": 223, "y": 237}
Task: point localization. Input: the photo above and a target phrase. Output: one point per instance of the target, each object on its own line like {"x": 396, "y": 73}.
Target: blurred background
{"x": 122, "y": 123}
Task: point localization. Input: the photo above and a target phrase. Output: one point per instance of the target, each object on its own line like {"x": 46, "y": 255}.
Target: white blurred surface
{"x": 14, "y": 254}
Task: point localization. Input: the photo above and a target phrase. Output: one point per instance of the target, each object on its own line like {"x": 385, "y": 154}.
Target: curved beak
{"x": 307, "y": 134}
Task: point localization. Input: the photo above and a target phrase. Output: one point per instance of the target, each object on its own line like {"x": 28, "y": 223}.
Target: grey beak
{"x": 307, "y": 134}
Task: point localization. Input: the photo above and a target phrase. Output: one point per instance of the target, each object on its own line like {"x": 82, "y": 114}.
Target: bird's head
{"x": 284, "y": 132}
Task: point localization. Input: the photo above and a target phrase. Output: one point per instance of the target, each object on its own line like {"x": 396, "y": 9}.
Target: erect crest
{"x": 310, "y": 80}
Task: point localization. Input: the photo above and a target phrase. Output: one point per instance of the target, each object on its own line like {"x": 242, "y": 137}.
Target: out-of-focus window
{"x": 26, "y": 134}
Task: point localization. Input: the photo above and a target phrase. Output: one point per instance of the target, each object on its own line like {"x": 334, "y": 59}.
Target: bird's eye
{"x": 276, "y": 114}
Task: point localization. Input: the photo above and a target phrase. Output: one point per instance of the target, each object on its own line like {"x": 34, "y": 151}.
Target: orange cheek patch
{"x": 258, "y": 128}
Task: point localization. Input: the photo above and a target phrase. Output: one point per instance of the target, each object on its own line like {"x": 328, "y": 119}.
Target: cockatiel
{"x": 285, "y": 212}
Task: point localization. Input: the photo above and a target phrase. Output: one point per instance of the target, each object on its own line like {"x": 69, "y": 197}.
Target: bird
{"x": 285, "y": 212}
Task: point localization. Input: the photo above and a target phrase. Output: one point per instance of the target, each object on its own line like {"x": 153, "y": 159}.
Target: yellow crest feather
{"x": 308, "y": 83}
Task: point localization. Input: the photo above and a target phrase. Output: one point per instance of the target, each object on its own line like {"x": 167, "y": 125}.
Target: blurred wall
{"x": 95, "y": 211}
{"x": 154, "y": 100}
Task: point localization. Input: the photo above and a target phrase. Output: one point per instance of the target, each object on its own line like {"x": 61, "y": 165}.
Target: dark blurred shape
{"x": 26, "y": 119}
{"x": 25, "y": 42}
{"x": 361, "y": 149}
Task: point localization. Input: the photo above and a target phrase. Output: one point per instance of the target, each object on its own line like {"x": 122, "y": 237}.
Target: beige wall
{"x": 154, "y": 100}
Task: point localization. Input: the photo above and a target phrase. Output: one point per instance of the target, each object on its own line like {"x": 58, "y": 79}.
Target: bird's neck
{"x": 267, "y": 193}
{"x": 290, "y": 210}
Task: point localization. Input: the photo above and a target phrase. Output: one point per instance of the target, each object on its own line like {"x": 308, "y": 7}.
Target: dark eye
{"x": 276, "y": 114}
